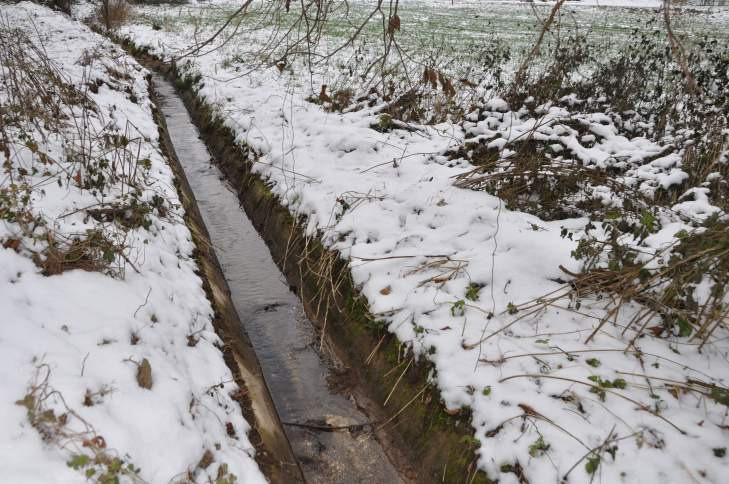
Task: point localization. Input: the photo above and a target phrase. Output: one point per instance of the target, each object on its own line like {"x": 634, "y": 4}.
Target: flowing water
{"x": 297, "y": 373}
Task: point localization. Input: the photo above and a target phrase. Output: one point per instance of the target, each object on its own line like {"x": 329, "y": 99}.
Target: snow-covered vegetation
{"x": 110, "y": 368}
{"x": 532, "y": 197}
{"x": 547, "y": 226}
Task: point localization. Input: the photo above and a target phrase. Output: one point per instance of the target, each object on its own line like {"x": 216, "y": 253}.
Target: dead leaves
{"x": 323, "y": 96}
{"x": 430, "y": 76}
{"x": 393, "y": 25}
{"x": 206, "y": 460}
{"x": 144, "y": 374}
{"x": 13, "y": 244}
{"x": 96, "y": 442}
{"x": 433, "y": 77}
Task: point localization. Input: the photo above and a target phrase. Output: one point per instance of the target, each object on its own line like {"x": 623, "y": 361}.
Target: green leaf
{"x": 472, "y": 291}
{"x": 538, "y": 447}
{"x": 78, "y": 461}
{"x": 593, "y": 362}
{"x": 592, "y": 464}
{"x": 720, "y": 395}
{"x": 458, "y": 308}
{"x": 648, "y": 220}
{"x": 684, "y": 328}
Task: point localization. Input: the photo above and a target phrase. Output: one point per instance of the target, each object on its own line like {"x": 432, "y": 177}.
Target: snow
{"x": 411, "y": 230}
{"x": 387, "y": 203}
{"x": 79, "y": 336}
{"x": 598, "y": 3}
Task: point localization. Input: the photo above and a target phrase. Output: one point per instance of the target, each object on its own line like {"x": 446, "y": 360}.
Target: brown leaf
{"x": 323, "y": 97}
{"x": 386, "y": 290}
{"x": 446, "y": 84}
{"x": 393, "y": 25}
{"x": 97, "y": 442}
{"x": 433, "y": 78}
{"x": 675, "y": 390}
{"x": 529, "y": 410}
{"x": 144, "y": 374}
{"x": 13, "y": 244}
{"x": 206, "y": 460}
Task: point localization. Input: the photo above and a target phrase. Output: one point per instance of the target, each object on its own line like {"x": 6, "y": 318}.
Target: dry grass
{"x": 532, "y": 181}
{"x": 40, "y": 104}
{"x": 69, "y": 431}
{"x": 112, "y": 14}
{"x": 666, "y": 286}
{"x": 94, "y": 252}
{"x": 668, "y": 293}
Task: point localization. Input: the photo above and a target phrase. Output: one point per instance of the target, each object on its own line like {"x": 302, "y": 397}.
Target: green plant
{"x": 601, "y": 385}
{"x": 458, "y": 308}
{"x": 103, "y": 468}
{"x": 472, "y": 291}
{"x": 96, "y": 462}
{"x": 665, "y": 283}
{"x": 592, "y": 464}
{"x": 538, "y": 447}
{"x": 384, "y": 123}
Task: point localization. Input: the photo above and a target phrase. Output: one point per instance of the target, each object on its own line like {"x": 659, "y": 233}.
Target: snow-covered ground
{"x": 450, "y": 270}
{"x": 600, "y": 3}
{"x": 115, "y": 373}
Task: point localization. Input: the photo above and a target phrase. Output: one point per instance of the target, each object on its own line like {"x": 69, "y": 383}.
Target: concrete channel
{"x": 329, "y": 432}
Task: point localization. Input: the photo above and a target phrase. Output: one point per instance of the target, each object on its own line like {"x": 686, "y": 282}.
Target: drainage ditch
{"x": 330, "y": 434}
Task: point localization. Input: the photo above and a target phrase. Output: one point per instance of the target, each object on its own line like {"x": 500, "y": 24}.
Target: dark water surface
{"x": 287, "y": 346}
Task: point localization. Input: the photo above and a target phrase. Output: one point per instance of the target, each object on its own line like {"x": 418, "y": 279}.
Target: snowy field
{"x": 110, "y": 368}
{"x": 476, "y": 288}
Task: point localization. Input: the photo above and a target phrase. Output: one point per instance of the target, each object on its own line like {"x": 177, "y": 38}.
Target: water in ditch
{"x": 298, "y": 374}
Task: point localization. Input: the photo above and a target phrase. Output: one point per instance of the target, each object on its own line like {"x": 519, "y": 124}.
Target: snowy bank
{"x": 110, "y": 364}
{"x": 461, "y": 280}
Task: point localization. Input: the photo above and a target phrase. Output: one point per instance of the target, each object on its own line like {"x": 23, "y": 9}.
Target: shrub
{"x": 113, "y": 13}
